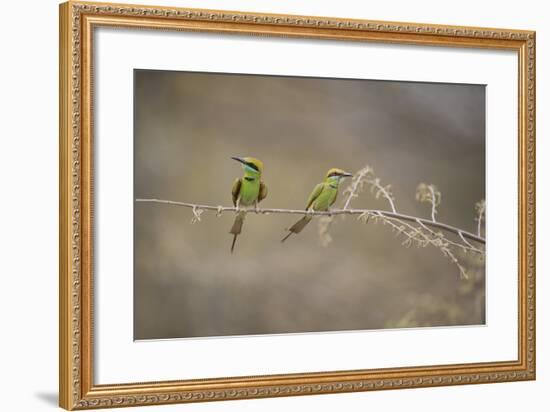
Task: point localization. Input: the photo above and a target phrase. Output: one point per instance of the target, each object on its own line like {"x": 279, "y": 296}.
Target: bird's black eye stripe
{"x": 334, "y": 174}
{"x": 253, "y": 166}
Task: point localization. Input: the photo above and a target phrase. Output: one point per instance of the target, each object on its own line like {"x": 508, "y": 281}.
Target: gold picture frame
{"x": 76, "y": 385}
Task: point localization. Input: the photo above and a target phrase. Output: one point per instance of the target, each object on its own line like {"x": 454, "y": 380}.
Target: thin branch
{"x": 416, "y": 236}
{"x": 467, "y": 246}
{"x": 384, "y": 191}
{"x": 356, "y": 185}
{"x": 480, "y": 209}
{"x": 442, "y": 243}
{"x": 479, "y": 227}
{"x": 429, "y": 193}
{"x": 400, "y": 216}
{"x": 432, "y": 193}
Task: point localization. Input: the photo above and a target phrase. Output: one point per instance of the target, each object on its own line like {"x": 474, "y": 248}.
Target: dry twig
{"x": 480, "y": 209}
{"x": 429, "y": 193}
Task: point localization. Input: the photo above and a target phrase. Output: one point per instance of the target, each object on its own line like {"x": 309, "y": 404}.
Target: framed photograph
{"x": 257, "y": 205}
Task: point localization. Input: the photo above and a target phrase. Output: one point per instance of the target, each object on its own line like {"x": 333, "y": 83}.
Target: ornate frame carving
{"x": 77, "y": 21}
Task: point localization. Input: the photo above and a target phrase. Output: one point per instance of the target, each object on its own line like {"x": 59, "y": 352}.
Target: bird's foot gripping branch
{"x": 414, "y": 230}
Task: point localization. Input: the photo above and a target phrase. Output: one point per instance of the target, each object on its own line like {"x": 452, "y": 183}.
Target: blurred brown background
{"x": 187, "y": 125}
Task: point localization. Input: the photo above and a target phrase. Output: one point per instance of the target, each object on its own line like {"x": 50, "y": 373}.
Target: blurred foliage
{"x": 428, "y": 310}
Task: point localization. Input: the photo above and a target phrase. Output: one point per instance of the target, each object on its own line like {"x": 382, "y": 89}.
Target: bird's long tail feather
{"x": 286, "y": 237}
{"x": 297, "y": 227}
{"x": 237, "y": 228}
{"x": 233, "y": 243}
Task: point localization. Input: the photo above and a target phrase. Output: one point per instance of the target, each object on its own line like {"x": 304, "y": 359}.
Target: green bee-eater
{"x": 248, "y": 190}
{"x": 321, "y": 198}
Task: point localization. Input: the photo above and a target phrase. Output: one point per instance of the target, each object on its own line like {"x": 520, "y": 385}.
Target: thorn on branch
{"x": 197, "y": 212}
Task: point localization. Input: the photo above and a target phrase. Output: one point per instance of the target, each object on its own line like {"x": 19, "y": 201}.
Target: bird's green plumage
{"x": 321, "y": 198}
{"x": 247, "y": 191}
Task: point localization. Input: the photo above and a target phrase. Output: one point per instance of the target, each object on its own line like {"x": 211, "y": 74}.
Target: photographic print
{"x": 248, "y": 201}
{"x": 274, "y": 204}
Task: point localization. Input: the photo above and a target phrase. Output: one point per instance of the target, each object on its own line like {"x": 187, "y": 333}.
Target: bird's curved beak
{"x": 346, "y": 174}
{"x": 238, "y": 159}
